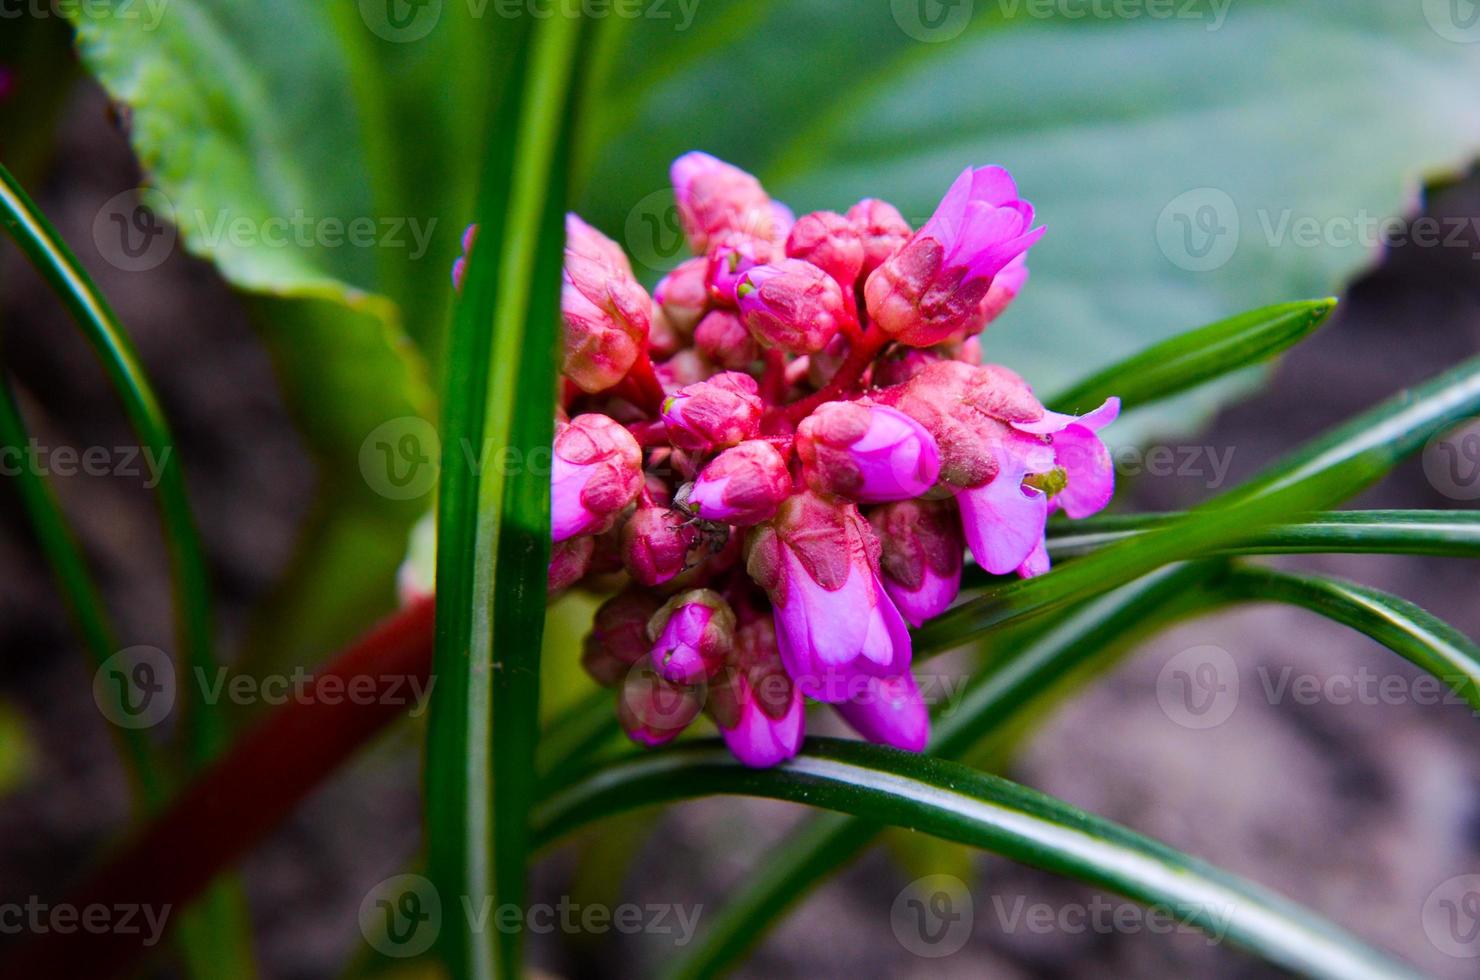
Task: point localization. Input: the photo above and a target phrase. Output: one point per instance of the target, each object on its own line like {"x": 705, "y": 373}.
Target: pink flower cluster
{"x": 783, "y": 453}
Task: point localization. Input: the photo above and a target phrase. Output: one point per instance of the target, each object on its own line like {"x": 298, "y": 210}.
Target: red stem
{"x": 233, "y": 805}
{"x": 649, "y": 390}
{"x": 773, "y": 381}
{"x": 860, "y": 355}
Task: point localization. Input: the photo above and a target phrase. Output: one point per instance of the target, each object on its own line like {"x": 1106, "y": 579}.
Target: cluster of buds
{"x": 779, "y": 458}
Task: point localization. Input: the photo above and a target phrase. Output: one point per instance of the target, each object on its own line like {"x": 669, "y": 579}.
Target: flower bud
{"x": 686, "y": 367}
{"x": 569, "y": 561}
{"x": 791, "y": 305}
{"x": 618, "y": 637}
{"x": 730, "y": 258}
{"x": 868, "y": 453}
{"x": 754, "y": 702}
{"x": 935, "y": 285}
{"x": 723, "y": 411}
{"x": 741, "y": 486}
{"x": 829, "y": 241}
{"x": 595, "y": 472}
{"x": 607, "y": 313}
{"x": 684, "y": 294}
{"x": 890, "y": 711}
{"x": 920, "y": 555}
{"x": 655, "y": 544}
{"x": 722, "y": 338}
{"x": 880, "y": 228}
{"x": 653, "y": 711}
{"x": 715, "y": 197}
{"x": 692, "y": 634}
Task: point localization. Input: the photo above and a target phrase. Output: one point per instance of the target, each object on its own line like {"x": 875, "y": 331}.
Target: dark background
{"x": 1357, "y": 811}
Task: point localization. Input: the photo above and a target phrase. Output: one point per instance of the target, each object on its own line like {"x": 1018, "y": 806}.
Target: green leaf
{"x": 1444, "y": 533}
{"x": 832, "y": 101}
{"x": 953, "y": 801}
{"x": 1408, "y": 630}
{"x": 1006, "y": 694}
{"x": 493, "y": 534}
{"x": 1190, "y": 359}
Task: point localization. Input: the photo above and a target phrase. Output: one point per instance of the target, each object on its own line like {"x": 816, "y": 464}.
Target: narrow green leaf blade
{"x": 1408, "y": 630}
{"x": 955, "y": 802}
{"x": 1187, "y": 360}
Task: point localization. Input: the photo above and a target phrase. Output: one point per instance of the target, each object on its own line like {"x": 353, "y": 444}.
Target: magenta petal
{"x": 1003, "y": 521}
{"x": 994, "y": 185}
{"x": 933, "y": 597}
{"x": 568, "y": 516}
{"x": 760, "y": 741}
{"x": 1036, "y": 563}
{"x": 1090, "y": 472}
{"x": 890, "y": 712}
{"x": 1055, "y": 421}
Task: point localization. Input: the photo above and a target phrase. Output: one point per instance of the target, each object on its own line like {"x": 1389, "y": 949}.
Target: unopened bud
{"x": 792, "y": 305}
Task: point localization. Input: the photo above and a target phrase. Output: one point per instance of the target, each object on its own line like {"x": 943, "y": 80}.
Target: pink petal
{"x": 1091, "y": 474}
{"x": 891, "y": 712}
{"x": 760, "y": 741}
{"x": 1003, "y": 521}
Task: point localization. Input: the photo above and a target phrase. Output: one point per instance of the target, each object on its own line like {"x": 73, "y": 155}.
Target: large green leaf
{"x": 1118, "y": 129}
{"x": 958, "y": 803}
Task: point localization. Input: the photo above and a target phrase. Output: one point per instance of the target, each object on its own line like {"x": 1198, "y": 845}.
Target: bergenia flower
{"x": 683, "y": 294}
{"x": 792, "y": 306}
{"x": 829, "y": 241}
{"x": 714, "y": 197}
{"x": 755, "y": 703}
{"x": 656, "y": 542}
{"x": 868, "y": 453}
{"x": 619, "y": 639}
{"x": 654, "y": 711}
{"x": 819, "y": 563}
{"x": 934, "y": 286}
{"x": 1080, "y": 458}
{"x": 890, "y": 711}
{"x": 596, "y": 471}
{"x": 920, "y": 557}
{"x": 741, "y": 486}
{"x": 692, "y": 635}
{"x": 722, "y": 338}
{"x": 713, "y": 414}
{"x": 607, "y": 313}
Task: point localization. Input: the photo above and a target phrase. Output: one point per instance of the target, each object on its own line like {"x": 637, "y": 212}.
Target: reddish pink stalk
{"x": 845, "y": 381}
{"x": 235, "y": 803}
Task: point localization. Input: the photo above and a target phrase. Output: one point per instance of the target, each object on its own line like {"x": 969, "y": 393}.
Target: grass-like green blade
{"x": 148, "y": 772}
{"x": 1007, "y": 693}
{"x": 493, "y": 521}
{"x": 215, "y": 930}
{"x": 1197, "y": 356}
{"x": 1408, "y": 630}
{"x": 57, "y": 264}
{"x": 1438, "y": 533}
{"x": 955, "y": 802}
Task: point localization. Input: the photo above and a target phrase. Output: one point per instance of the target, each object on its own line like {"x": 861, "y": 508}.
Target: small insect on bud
{"x": 655, "y": 544}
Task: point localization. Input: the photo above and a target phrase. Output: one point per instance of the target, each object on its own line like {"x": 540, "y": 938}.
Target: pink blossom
{"x": 758, "y": 708}
{"x": 880, "y": 228}
{"x": 829, "y": 241}
{"x": 692, "y": 635}
{"x": 607, "y": 313}
{"x": 890, "y": 711}
{"x": 920, "y": 556}
{"x": 595, "y": 472}
{"x": 868, "y": 453}
{"x": 742, "y": 486}
{"x": 714, "y": 197}
{"x": 791, "y": 305}
{"x": 713, "y": 414}
{"x": 934, "y": 286}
